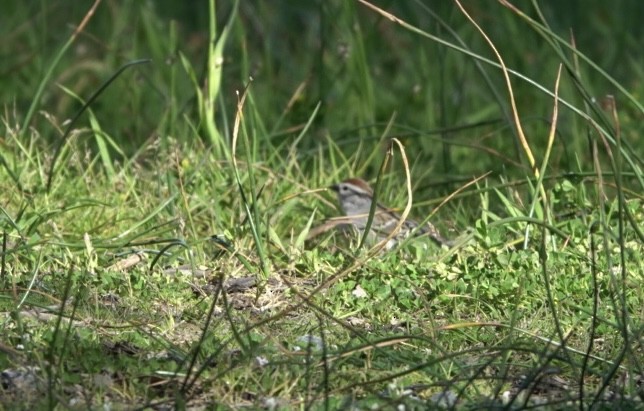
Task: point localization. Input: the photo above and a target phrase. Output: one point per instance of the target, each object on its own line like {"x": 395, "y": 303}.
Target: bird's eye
{"x": 344, "y": 188}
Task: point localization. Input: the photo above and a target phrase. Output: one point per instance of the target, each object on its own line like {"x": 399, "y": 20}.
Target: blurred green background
{"x": 362, "y": 68}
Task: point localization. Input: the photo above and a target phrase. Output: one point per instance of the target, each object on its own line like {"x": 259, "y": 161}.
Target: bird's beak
{"x": 335, "y": 188}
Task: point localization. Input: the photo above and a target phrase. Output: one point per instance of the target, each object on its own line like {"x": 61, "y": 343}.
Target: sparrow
{"x": 355, "y": 197}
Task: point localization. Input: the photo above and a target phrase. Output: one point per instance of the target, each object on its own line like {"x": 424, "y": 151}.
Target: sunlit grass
{"x": 122, "y": 254}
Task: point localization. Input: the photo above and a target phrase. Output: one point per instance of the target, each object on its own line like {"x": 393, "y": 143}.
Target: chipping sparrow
{"x": 355, "y": 197}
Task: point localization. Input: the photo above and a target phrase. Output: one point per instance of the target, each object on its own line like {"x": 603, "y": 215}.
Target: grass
{"x": 127, "y": 229}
